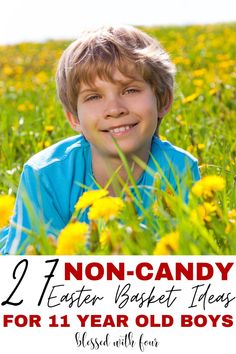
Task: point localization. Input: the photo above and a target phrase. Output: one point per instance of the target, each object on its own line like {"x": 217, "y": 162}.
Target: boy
{"x": 115, "y": 83}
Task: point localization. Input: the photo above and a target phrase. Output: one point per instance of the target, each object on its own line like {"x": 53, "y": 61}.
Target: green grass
{"x": 204, "y": 124}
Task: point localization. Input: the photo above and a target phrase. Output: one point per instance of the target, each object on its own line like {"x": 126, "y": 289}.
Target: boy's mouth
{"x": 121, "y": 129}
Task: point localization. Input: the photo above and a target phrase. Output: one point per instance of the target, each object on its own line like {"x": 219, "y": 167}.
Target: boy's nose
{"x": 115, "y": 108}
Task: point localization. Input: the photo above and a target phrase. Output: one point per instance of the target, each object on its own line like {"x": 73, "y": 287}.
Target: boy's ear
{"x": 166, "y": 107}
{"x": 74, "y": 121}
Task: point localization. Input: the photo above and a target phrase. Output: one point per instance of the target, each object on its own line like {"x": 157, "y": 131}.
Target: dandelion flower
{"x": 207, "y": 210}
{"x": 198, "y": 82}
{"x": 6, "y": 209}
{"x": 213, "y": 91}
{"x": 72, "y": 239}
{"x": 190, "y": 148}
{"x": 168, "y": 244}
{"x": 7, "y": 70}
{"x": 207, "y": 186}
{"x": 201, "y": 146}
{"x": 49, "y": 128}
{"x": 106, "y": 208}
{"x": 21, "y": 107}
{"x": 199, "y": 72}
{"x": 191, "y": 97}
{"x": 46, "y": 144}
{"x": 88, "y": 198}
{"x": 41, "y": 77}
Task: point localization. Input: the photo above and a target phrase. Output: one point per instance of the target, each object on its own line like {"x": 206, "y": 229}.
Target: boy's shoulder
{"x": 171, "y": 152}
{"x": 59, "y": 152}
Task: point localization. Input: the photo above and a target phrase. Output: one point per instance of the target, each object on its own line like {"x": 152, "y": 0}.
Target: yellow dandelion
{"x": 72, "y": 239}
{"x": 213, "y": 91}
{"x": 199, "y": 72}
{"x": 19, "y": 70}
{"x": 162, "y": 137}
{"x": 206, "y": 211}
{"x": 180, "y": 120}
{"x": 181, "y": 60}
{"x": 207, "y": 186}
{"x": 178, "y": 60}
{"x": 198, "y": 82}
{"x": 7, "y": 70}
{"x": 49, "y": 128}
{"x": 222, "y": 57}
{"x": 26, "y": 106}
{"x": 41, "y": 77}
{"x": 190, "y": 148}
{"x": 46, "y": 144}
{"x": 106, "y": 208}
{"x": 40, "y": 145}
{"x": 88, "y": 198}
{"x": 21, "y": 107}
{"x": 226, "y": 64}
{"x": 168, "y": 244}
{"x": 6, "y": 209}
{"x": 191, "y": 97}
{"x": 201, "y": 146}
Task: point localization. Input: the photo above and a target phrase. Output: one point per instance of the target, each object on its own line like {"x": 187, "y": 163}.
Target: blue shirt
{"x": 53, "y": 180}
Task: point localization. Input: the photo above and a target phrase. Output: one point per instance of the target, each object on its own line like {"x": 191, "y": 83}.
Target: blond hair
{"x": 98, "y": 51}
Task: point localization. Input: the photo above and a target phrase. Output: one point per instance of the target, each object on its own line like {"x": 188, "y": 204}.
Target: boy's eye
{"x": 92, "y": 98}
{"x": 131, "y": 90}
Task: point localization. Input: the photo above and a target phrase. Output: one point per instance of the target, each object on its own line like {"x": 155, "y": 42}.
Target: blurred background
{"x": 32, "y": 20}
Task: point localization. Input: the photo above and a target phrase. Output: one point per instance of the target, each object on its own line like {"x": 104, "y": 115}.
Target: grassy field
{"x": 202, "y": 121}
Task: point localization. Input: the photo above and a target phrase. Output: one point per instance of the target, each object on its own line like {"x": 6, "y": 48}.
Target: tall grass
{"x": 202, "y": 121}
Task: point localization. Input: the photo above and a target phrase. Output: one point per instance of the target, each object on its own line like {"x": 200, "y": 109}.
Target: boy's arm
{"x": 35, "y": 212}
{"x": 195, "y": 172}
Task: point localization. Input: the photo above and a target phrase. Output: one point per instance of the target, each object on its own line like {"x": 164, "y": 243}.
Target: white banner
{"x": 128, "y": 304}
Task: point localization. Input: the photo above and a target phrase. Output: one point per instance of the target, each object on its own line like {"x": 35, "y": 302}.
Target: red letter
{"x": 200, "y": 267}
{"x": 139, "y": 269}
{"x": 164, "y": 272}
{"x": 77, "y": 273}
{"x": 224, "y": 270}
{"x": 7, "y": 319}
{"x": 118, "y": 272}
{"x": 227, "y": 321}
{"x": 186, "y": 321}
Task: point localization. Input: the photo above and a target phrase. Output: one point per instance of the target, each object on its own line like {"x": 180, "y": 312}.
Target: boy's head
{"x": 99, "y": 51}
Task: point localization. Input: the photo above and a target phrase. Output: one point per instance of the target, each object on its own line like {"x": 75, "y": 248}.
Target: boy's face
{"x": 125, "y": 109}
